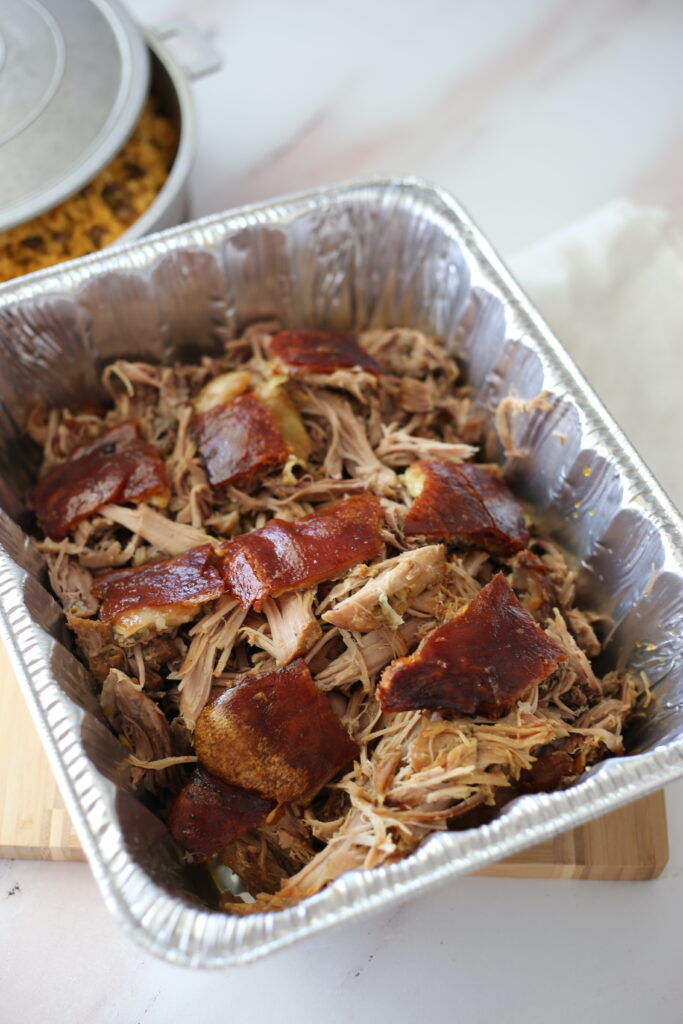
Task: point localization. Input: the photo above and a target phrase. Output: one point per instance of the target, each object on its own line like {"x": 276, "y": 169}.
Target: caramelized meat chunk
{"x": 283, "y": 556}
{"x": 480, "y": 663}
{"x": 208, "y": 814}
{"x": 309, "y": 351}
{"x": 466, "y": 505}
{"x": 238, "y": 440}
{"x": 119, "y": 466}
{"x": 155, "y": 598}
{"x": 275, "y": 734}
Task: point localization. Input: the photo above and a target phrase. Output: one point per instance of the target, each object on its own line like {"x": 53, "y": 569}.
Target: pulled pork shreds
{"x": 162, "y": 533}
{"x": 294, "y": 627}
{"x": 211, "y": 644}
{"x": 290, "y": 592}
{"x": 389, "y": 590}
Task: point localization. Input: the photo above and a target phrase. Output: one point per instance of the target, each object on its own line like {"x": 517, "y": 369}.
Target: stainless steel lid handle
{"x": 191, "y": 48}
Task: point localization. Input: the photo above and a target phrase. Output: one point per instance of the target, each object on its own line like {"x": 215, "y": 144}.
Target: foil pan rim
{"x": 166, "y": 925}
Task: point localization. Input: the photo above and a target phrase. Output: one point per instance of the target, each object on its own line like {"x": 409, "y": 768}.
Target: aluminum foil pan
{"x": 383, "y": 252}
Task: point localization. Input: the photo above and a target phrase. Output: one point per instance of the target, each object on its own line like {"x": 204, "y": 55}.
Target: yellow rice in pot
{"x": 97, "y": 215}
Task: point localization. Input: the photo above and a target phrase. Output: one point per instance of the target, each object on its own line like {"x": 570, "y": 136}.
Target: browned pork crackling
{"x": 321, "y": 624}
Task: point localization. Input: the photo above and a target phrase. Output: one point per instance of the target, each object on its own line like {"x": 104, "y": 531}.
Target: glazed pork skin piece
{"x": 466, "y": 505}
{"x": 283, "y": 556}
{"x": 310, "y": 351}
{"x": 118, "y": 467}
{"x": 238, "y": 440}
{"x": 482, "y": 662}
{"x": 208, "y": 814}
{"x": 275, "y": 734}
{"x": 155, "y": 598}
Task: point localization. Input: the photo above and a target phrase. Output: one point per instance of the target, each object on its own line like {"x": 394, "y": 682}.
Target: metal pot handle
{"x": 193, "y": 50}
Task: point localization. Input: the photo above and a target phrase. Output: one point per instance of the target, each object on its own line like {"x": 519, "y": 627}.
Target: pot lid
{"x": 74, "y": 76}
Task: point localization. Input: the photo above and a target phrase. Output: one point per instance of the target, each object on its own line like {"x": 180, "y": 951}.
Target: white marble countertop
{"x": 533, "y": 113}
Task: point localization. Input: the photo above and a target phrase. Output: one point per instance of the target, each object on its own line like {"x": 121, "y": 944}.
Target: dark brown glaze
{"x": 467, "y": 505}
{"x": 275, "y": 734}
{"x": 189, "y": 578}
{"x": 238, "y": 440}
{"x": 310, "y": 351}
{"x": 119, "y": 466}
{"x": 283, "y": 556}
{"x": 208, "y": 814}
{"x": 480, "y": 663}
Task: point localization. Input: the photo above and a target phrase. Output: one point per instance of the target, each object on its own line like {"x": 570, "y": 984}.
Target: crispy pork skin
{"x": 238, "y": 440}
{"x": 275, "y": 734}
{"x": 310, "y": 351}
{"x": 119, "y": 467}
{"x": 480, "y": 663}
{"x": 208, "y": 814}
{"x": 465, "y": 504}
{"x": 155, "y": 598}
{"x": 283, "y": 556}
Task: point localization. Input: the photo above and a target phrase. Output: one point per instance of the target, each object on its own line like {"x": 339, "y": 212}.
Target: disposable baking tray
{"x": 372, "y": 253}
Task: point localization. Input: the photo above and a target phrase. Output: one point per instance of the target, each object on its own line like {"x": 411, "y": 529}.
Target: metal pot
{"x": 170, "y": 87}
{"x": 94, "y": 54}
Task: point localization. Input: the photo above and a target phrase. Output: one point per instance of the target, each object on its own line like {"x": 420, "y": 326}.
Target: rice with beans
{"x": 101, "y": 211}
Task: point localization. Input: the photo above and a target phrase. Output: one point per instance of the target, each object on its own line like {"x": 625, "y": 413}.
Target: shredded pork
{"x": 417, "y": 771}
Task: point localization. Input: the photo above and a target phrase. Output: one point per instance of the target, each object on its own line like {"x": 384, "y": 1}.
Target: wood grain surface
{"x": 628, "y": 844}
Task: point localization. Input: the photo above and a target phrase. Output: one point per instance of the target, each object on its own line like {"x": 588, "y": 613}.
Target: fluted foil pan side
{"x": 382, "y": 253}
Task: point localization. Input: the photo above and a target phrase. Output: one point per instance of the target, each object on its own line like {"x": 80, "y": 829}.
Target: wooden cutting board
{"x": 628, "y": 844}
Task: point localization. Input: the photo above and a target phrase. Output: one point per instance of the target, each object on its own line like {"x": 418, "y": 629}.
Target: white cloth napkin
{"x": 611, "y": 288}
